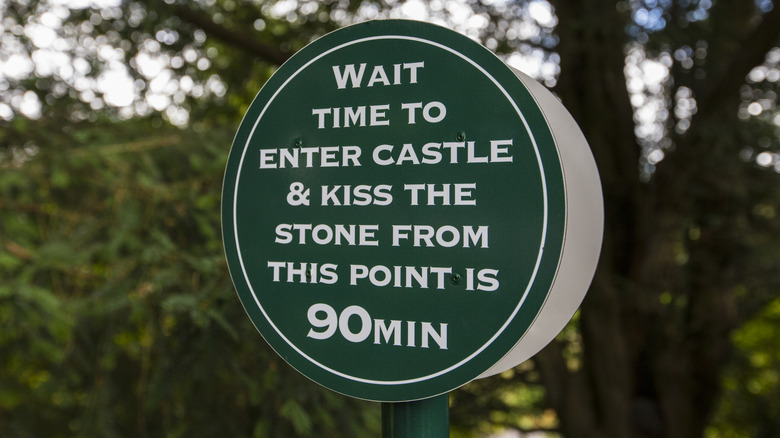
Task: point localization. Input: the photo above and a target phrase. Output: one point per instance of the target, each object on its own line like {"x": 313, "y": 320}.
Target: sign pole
{"x": 427, "y": 418}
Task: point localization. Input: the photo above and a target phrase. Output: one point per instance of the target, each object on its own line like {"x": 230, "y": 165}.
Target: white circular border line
{"x": 544, "y": 227}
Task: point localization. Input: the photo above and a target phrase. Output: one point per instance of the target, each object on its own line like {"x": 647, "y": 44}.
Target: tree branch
{"x": 746, "y": 55}
{"x": 241, "y": 40}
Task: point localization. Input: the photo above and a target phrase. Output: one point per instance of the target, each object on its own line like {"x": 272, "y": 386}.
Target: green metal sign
{"x": 395, "y": 210}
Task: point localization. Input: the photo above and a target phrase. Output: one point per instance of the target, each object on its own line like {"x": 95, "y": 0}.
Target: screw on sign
{"x": 403, "y": 213}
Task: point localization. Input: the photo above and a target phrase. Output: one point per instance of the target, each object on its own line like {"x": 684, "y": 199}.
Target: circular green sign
{"x": 394, "y": 211}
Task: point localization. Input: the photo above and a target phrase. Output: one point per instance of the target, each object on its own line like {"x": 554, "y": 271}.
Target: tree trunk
{"x": 656, "y": 320}
{"x": 592, "y": 86}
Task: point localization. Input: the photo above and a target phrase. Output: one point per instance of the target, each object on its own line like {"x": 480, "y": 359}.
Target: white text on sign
{"x": 447, "y": 152}
{"x": 423, "y": 277}
{"x": 323, "y": 316}
{"x": 446, "y": 236}
{"x": 347, "y": 75}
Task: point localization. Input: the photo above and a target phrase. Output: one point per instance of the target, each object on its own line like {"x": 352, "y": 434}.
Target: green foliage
{"x": 750, "y": 406}
{"x": 117, "y": 315}
{"x": 513, "y": 400}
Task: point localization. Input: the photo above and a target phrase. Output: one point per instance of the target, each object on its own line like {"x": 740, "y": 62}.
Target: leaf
{"x": 297, "y": 416}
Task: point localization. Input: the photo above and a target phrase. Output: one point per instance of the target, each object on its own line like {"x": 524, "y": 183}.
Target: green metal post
{"x": 428, "y": 418}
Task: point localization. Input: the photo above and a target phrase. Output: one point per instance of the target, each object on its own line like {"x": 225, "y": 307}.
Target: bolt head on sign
{"x": 403, "y": 213}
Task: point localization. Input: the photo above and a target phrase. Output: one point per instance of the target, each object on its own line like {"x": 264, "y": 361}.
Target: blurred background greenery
{"x": 117, "y": 314}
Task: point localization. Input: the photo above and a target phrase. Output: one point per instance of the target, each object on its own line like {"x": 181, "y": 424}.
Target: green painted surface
{"x": 385, "y": 259}
{"x": 428, "y": 418}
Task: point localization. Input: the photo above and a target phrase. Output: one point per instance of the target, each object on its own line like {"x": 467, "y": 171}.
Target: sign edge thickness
{"x": 583, "y": 232}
